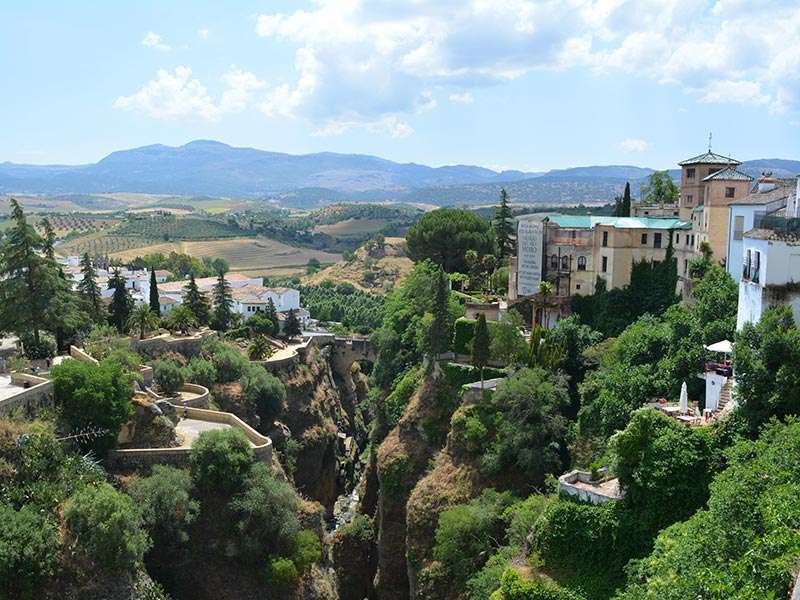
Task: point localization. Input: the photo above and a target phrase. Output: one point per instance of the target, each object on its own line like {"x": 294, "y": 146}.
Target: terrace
{"x": 583, "y": 486}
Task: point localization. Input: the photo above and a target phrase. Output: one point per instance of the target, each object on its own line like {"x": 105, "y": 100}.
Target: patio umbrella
{"x": 684, "y": 403}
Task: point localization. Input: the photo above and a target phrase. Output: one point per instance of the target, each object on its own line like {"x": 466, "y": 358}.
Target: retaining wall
{"x": 143, "y": 457}
{"x": 608, "y": 490}
{"x": 188, "y": 345}
{"x": 34, "y": 399}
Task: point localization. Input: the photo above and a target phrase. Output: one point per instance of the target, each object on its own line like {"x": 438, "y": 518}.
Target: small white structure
{"x": 683, "y": 405}
{"x": 581, "y": 486}
{"x": 718, "y": 376}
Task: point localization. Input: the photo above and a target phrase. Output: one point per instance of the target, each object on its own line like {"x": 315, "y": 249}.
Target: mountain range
{"x": 212, "y": 168}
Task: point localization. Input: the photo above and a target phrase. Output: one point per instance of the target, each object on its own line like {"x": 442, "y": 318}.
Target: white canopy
{"x": 724, "y": 346}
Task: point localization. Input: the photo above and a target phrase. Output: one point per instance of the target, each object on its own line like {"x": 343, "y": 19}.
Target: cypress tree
{"x": 272, "y": 315}
{"x": 89, "y": 290}
{"x": 439, "y": 332}
{"x": 49, "y": 246}
{"x": 155, "y": 305}
{"x": 503, "y": 227}
{"x": 292, "y": 328}
{"x": 196, "y": 301}
{"x": 480, "y": 345}
{"x": 223, "y": 300}
{"x": 626, "y": 200}
{"x": 121, "y": 302}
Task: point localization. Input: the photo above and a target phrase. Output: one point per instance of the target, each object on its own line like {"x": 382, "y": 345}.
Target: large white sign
{"x": 530, "y": 235}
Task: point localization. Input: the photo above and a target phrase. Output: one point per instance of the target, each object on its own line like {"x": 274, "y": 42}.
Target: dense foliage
{"x": 445, "y": 235}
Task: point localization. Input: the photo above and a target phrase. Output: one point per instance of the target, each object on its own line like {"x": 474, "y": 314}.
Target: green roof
{"x": 699, "y": 208}
{"x": 729, "y": 174}
{"x": 590, "y": 222}
{"x": 709, "y": 158}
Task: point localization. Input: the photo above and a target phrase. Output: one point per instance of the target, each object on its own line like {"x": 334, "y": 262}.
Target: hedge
{"x": 458, "y": 374}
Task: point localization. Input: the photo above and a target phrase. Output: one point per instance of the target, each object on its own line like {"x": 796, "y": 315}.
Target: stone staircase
{"x": 725, "y": 402}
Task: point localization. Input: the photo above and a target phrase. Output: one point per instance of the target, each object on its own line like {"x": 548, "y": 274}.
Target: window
{"x": 554, "y": 262}
{"x": 677, "y": 238}
{"x": 565, "y": 263}
{"x": 685, "y": 266}
{"x": 691, "y": 243}
{"x": 754, "y": 275}
{"x": 746, "y": 265}
{"x": 577, "y": 286}
{"x": 605, "y": 264}
{"x": 644, "y": 239}
{"x": 738, "y": 227}
{"x": 656, "y": 240}
{"x": 647, "y": 212}
{"x": 730, "y": 192}
{"x": 573, "y": 234}
{"x": 605, "y": 238}
{"x": 689, "y": 199}
{"x": 581, "y": 263}
{"x": 690, "y": 174}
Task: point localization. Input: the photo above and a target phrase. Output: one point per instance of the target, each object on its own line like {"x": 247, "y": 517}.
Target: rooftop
{"x": 772, "y": 235}
{"x": 590, "y": 222}
{"x": 783, "y": 189}
{"x": 709, "y": 158}
{"x": 728, "y": 174}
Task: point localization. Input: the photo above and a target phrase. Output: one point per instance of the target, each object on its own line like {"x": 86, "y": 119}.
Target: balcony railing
{"x": 720, "y": 368}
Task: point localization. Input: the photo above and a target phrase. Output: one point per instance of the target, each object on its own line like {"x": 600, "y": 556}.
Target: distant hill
{"x": 215, "y": 169}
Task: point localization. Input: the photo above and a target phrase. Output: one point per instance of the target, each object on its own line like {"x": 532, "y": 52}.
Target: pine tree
{"x": 28, "y": 280}
{"x": 223, "y": 300}
{"x": 272, "y": 315}
{"x": 155, "y": 305}
{"x": 121, "y": 302}
{"x": 196, "y": 301}
{"x": 439, "y": 332}
{"x": 480, "y": 345}
{"x": 292, "y": 328}
{"x": 503, "y": 227}
{"x": 49, "y": 247}
{"x": 88, "y": 288}
{"x": 626, "y": 201}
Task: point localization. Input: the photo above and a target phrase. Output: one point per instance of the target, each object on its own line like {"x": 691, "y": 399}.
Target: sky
{"x": 511, "y": 84}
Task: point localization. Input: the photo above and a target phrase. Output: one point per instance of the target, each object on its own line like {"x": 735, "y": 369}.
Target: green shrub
{"x": 459, "y": 375}
{"x": 464, "y": 332}
{"x": 229, "y": 362}
{"x": 513, "y": 587}
{"x": 165, "y": 501}
{"x": 200, "y": 371}
{"x": 94, "y": 397}
{"x": 45, "y": 348}
{"x": 30, "y": 549}
{"x": 105, "y": 525}
{"x": 266, "y": 515}
{"x": 282, "y": 575}
{"x": 221, "y": 460}
{"x": 238, "y": 333}
{"x": 264, "y": 391}
{"x": 360, "y": 528}
{"x": 395, "y": 403}
{"x": 167, "y": 376}
{"x": 260, "y": 324}
{"x": 308, "y": 550}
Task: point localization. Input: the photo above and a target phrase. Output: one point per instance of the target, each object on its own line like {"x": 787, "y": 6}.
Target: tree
{"x": 121, "y": 301}
{"x": 155, "y": 304}
{"x": 165, "y": 501}
{"x": 28, "y": 279}
{"x": 292, "y": 327}
{"x": 94, "y": 398}
{"x": 660, "y": 189}
{"x": 181, "y": 319}
{"x": 106, "y": 527}
{"x": 542, "y": 302}
{"x": 503, "y": 227}
{"x": 313, "y": 266}
{"x": 259, "y": 348}
{"x": 626, "y": 201}
{"x": 263, "y": 391}
{"x": 196, "y": 301}
{"x": 167, "y": 376}
{"x": 480, "y": 345}
{"x": 220, "y": 461}
{"x": 223, "y": 301}
{"x": 143, "y": 319}
{"x": 260, "y": 324}
{"x": 89, "y": 290}
{"x": 445, "y": 235}
{"x": 30, "y": 548}
{"x": 543, "y": 350}
{"x": 440, "y": 331}
{"x": 49, "y": 246}
{"x": 272, "y": 315}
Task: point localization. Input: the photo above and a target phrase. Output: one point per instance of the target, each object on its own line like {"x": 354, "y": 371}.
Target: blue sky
{"x": 518, "y": 84}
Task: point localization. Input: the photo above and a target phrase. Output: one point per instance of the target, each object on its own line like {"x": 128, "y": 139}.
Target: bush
{"x": 395, "y": 403}
{"x": 282, "y": 575}
{"x": 30, "y": 548}
{"x": 228, "y": 361}
{"x": 513, "y": 587}
{"x": 165, "y": 501}
{"x": 45, "y": 348}
{"x": 260, "y": 324}
{"x": 94, "y": 397}
{"x": 266, "y": 516}
{"x": 464, "y": 332}
{"x": 459, "y": 375}
{"x": 239, "y": 333}
{"x": 200, "y": 371}
{"x": 105, "y": 525}
{"x": 220, "y": 460}
{"x": 264, "y": 391}
{"x": 167, "y": 376}
{"x": 308, "y": 550}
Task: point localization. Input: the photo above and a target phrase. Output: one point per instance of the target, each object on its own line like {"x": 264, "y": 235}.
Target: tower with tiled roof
{"x": 694, "y": 173}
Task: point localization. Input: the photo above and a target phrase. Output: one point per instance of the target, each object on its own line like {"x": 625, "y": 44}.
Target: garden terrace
{"x": 21, "y": 391}
{"x": 581, "y": 485}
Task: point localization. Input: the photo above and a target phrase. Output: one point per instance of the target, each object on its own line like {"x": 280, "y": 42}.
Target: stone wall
{"x": 37, "y": 397}
{"x": 188, "y": 345}
{"x": 144, "y": 457}
{"x": 579, "y": 485}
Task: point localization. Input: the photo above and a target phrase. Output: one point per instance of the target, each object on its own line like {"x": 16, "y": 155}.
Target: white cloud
{"x": 177, "y": 95}
{"x": 203, "y": 33}
{"x": 634, "y": 145}
{"x": 462, "y": 98}
{"x": 359, "y": 61}
{"x": 155, "y": 41}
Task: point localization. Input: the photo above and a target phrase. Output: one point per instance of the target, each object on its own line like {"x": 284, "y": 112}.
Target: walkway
{"x": 188, "y": 430}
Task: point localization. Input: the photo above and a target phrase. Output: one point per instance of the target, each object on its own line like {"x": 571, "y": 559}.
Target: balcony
{"x": 723, "y": 368}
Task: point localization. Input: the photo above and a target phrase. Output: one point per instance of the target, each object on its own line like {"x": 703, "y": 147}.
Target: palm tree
{"x": 142, "y": 318}
{"x": 181, "y": 318}
{"x": 542, "y": 302}
{"x": 259, "y": 348}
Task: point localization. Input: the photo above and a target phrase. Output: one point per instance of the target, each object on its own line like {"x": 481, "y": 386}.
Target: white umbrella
{"x": 725, "y": 346}
{"x": 684, "y": 403}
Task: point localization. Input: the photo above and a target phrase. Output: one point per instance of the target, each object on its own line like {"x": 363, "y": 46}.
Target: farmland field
{"x": 248, "y": 254}
{"x": 100, "y": 243}
{"x": 352, "y": 227}
{"x": 171, "y": 228}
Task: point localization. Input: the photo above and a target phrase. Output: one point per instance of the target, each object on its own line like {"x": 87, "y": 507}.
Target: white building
{"x": 770, "y": 272}
{"x": 769, "y": 196}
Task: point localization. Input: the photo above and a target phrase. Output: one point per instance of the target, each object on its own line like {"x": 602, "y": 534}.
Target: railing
{"x": 782, "y": 224}
{"x": 720, "y": 368}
